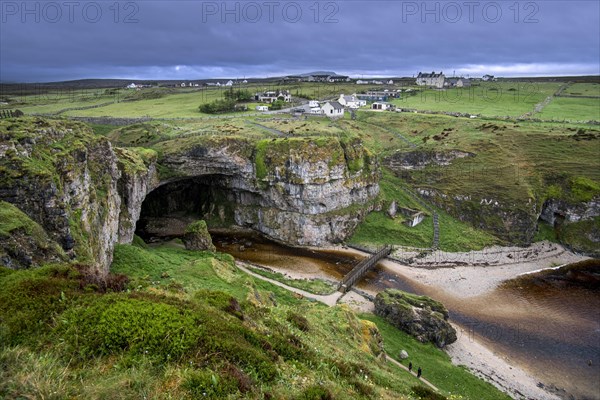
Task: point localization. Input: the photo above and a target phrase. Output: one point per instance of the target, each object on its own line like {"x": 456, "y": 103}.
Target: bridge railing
{"x": 362, "y": 267}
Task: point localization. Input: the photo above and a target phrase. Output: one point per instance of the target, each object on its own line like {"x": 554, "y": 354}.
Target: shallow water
{"x": 551, "y": 329}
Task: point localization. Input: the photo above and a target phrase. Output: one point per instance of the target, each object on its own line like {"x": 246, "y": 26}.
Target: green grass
{"x": 189, "y": 323}
{"x": 13, "y": 219}
{"x": 488, "y": 99}
{"x": 436, "y": 365}
{"x": 379, "y": 229}
{"x": 572, "y": 109}
{"x": 315, "y": 286}
{"x": 583, "y": 89}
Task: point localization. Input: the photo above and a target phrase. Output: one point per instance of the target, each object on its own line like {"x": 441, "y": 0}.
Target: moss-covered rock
{"x": 197, "y": 237}
{"x": 64, "y": 178}
{"x": 419, "y": 316}
{"x": 23, "y": 242}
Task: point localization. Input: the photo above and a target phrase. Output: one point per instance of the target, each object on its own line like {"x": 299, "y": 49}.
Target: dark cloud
{"x": 41, "y": 41}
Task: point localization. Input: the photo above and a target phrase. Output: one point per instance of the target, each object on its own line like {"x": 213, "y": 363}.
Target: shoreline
{"x": 460, "y": 278}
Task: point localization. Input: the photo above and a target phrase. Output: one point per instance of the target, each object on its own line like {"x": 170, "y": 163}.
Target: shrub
{"x": 584, "y": 189}
{"x": 218, "y": 106}
{"x": 207, "y": 384}
{"x": 424, "y": 393}
{"x": 316, "y": 392}
{"x": 30, "y": 299}
{"x": 112, "y": 324}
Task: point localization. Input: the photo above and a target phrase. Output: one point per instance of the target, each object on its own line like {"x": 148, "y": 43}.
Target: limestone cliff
{"x": 65, "y": 179}
{"x": 299, "y": 191}
{"x": 87, "y": 195}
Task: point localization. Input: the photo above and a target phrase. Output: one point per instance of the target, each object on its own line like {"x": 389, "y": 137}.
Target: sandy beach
{"x": 462, "y": 276}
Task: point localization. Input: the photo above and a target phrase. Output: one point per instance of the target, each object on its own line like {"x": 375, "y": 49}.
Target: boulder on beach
{"x": 197, "y": 237}
{"x": 419, "y": 316}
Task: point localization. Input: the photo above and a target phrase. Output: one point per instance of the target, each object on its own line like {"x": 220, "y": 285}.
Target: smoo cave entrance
{"x": 170, "y": 208}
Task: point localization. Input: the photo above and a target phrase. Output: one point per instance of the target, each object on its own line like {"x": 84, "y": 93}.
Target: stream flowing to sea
{"x": 549, "y": 327}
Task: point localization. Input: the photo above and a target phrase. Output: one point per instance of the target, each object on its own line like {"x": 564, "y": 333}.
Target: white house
{"x": 244, "y": 81}
{"x": 390, "y": 82}
{"x": 262, "y": 108}
{"x": 382, "y": 105}
{"x": 361, "y": 82}
{"x": 313, "y": 103}
{"x": 487, "y": 78}
{"x": 432, "y": 79}
{"x": 333, "y": 109}
{"x": 229, "y": 83}
{"x": 271, "y": 96}
{"x": 351, "y": 101}
{"x": 132, "y": 86}
{"x": 182, "y": 84}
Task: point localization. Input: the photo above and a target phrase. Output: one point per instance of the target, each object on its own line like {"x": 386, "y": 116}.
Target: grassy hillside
{"x": 179, "y": 324}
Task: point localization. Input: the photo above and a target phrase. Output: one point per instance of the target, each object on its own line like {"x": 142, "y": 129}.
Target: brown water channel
{"x": 550, "y": 329}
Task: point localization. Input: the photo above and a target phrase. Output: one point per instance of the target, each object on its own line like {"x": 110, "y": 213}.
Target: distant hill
{"x": 319, "y": 73}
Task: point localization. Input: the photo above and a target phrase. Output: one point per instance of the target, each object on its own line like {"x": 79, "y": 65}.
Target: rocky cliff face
{"x": 555, "y": 210}
{"x": 298, "y": 191}
{"x": 88, "y": 195}
{"x": 65, "y": 179}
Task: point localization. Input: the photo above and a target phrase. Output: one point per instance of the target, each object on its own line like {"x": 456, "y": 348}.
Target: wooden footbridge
{"x": 362, "y": 268}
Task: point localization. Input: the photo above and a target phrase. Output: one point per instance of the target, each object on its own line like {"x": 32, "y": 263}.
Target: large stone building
{"x": 431, "y": 80}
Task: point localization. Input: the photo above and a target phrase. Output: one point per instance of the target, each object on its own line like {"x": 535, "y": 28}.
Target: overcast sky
{"x": 70, "y": 39}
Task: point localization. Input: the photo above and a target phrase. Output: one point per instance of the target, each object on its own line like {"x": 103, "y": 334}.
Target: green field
{"x": 491, "y": 99}
{"x": 583, "y": 89}
{"x": 572, "y": 109}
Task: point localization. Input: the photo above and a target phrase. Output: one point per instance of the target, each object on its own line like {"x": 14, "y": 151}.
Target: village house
{"x": 351, "y": 101}
{"x": 229, "y": 83}
{"x": 382, "y": 105}
{"x": 361, "y": 82}
{"x": 487, "y": 78}
{"x": 431, "y": 80}
{"x": 272, "y": 96}
{"x": 338, "y": 78}
{"x": 333, "y": 109}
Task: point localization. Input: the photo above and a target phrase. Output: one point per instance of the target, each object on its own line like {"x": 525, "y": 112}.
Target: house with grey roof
{"x": 333, "y": 109}
{"x": 431, "y": 80}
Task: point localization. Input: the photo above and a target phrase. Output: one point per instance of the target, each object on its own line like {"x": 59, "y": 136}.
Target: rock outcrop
{"x": 298, "y": 191}
{"x": 419, "y": 316}
{"x": 88, "y": 195}
{"x": 197, "y": 237}
{"x": 556, "y": 209}
{"x": 419, "y": 159}
{"x": 65, "y": 179}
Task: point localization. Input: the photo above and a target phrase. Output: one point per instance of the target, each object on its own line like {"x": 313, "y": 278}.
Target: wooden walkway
{"x": 362, "y": 268}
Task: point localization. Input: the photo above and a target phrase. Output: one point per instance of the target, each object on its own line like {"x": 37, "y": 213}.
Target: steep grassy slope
{"x": 188, "y": 323}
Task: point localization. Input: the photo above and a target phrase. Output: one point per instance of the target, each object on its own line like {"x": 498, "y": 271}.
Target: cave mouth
{"x": 170, "y": 208}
